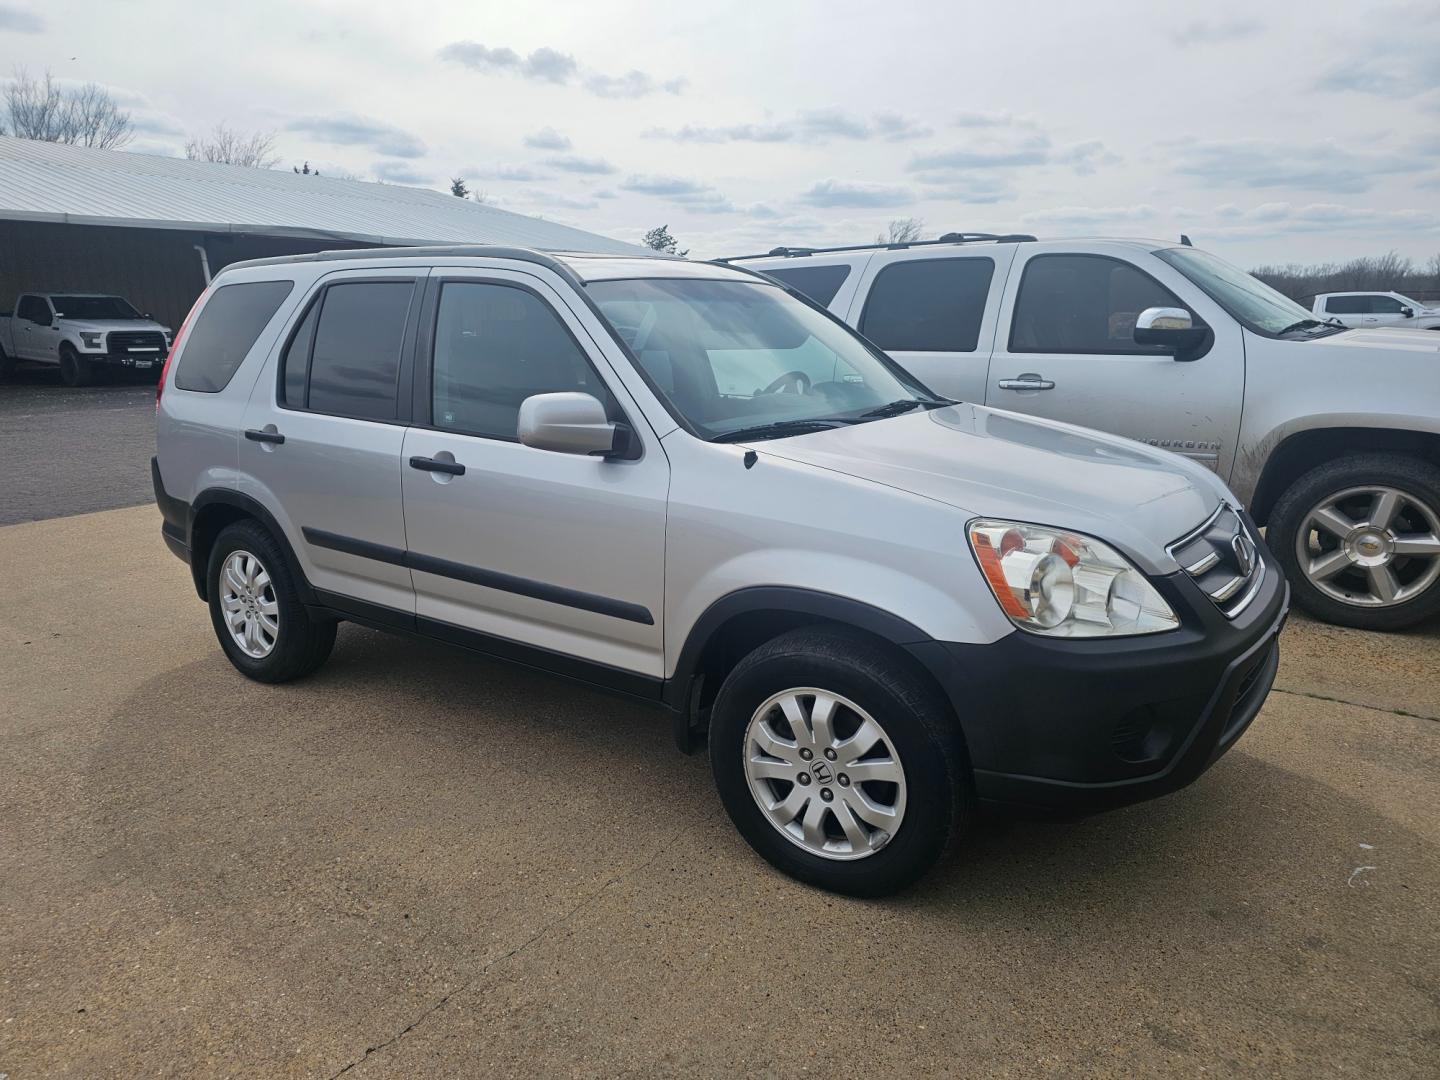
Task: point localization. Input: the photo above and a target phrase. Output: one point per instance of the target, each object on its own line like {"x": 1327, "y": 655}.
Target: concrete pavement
{"x": 419, "y": 863}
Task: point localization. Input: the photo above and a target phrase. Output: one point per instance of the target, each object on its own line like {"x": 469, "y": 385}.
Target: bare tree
{"x": 87, "y": 115}
{"x": 482, "y": 197}
{"x": 901, "y": 231}
{"x": 1375, "y": 273}
{"x": 226, "y": 146}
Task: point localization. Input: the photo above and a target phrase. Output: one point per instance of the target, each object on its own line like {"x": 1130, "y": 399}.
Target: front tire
{"x": 7, "y": 366}
{"x": 255, "y": 608}
{"x": 75, "y": 370}
{"x": 838, "y": 763}
{"x": 1360, "y": 540}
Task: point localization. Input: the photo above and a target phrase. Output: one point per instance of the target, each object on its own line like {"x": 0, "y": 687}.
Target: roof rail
{"x": 948, "y": 238}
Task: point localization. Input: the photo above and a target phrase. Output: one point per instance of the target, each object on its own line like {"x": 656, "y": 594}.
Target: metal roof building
{"x": 153, "y": 228}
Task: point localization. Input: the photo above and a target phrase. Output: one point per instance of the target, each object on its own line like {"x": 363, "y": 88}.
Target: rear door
{"x": 552, "y": 551}
{"x": 34, "y": 328}
{"x": 323, "y": 436}
{"x": 1066, "y": 351}
{"x": 935, "y": 315}
{"x": 1349, "y": 309}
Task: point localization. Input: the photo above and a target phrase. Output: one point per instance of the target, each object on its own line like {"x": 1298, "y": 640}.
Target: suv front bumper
{"x": 1069, "y": 727}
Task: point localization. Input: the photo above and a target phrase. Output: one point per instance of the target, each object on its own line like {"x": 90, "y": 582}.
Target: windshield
{"x": 1244, "y": 296}
{"x": 732, "y": 356}
{"x": 94, "y": 307}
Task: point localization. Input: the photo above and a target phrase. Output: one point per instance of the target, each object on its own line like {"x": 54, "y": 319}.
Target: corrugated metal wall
{"x": 157, "y": 270}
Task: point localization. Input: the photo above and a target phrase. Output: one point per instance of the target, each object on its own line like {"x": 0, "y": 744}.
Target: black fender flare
{"x": 252, "y": 507}
{"x": 823, "y": 606}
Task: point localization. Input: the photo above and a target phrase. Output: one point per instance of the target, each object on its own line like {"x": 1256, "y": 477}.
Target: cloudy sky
{"x": 1270, "y": 132}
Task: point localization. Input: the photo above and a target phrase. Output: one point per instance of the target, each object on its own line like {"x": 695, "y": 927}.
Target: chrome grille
{"x": 1222, "y": 556}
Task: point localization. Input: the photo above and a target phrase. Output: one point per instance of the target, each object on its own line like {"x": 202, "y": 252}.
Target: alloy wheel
{"x": 824, "y": 773}
{"x": 1371, "y": 546}
{"x": 249, "y": 605}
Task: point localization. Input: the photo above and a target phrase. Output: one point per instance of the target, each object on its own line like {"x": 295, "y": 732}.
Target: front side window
{"x": 1084, "y": 304}
{"x": 928, "y": 305}
{"x": 35, "y": 310}
{"x": 732, "y": 356}
{"x": 820, "y": 283}
{"x": 224, "y": 332}
{"x": 1385, "y": 305}
{"x": 354, "y": 350}
{"x": 495, "y": 346}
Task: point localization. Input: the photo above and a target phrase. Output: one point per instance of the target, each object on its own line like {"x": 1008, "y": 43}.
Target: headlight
{"x": 1065, "y": 585}
{"x": 91, "y": 339}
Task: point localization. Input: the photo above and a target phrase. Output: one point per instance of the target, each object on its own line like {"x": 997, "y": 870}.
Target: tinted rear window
{"x": 355, "y": 367}
{"x": 928, "y": 305}
{"x": 224, "y": 332}
{"x": 820, "y": 283}
{"x": 1347, "y": 305}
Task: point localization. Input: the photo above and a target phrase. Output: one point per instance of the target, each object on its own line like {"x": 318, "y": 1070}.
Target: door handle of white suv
{"x": 1027, "y": 381}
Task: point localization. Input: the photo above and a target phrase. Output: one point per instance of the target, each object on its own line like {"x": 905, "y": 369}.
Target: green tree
{"x": 459, "y": 188}
{"x": 659, "y": 239}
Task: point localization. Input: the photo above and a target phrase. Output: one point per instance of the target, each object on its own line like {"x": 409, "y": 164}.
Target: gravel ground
{"x": 419, "y": 863}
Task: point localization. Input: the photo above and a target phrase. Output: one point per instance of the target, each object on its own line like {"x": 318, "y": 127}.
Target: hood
{"x": 107, "y": 325}
{"x": 991, "y": 463}
{"x": 1402, "y": 346}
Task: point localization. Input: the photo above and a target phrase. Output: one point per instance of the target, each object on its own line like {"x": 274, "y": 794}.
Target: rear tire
{"x": 75, "y": 370}
{"x": 256, "y": 610}
{"x": 842, "y": 842}
{"x": 1368, "y": 566}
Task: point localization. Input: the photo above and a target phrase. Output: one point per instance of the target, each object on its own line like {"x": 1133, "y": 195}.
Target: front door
{"x": 1384, "y": 311}
{"x": 552, "y": 551}
{"x": 1070, "y": 355}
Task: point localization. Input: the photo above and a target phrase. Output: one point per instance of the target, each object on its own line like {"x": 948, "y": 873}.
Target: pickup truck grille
{"x": 1223, "y": 558}
{"x": 139, "y": 342}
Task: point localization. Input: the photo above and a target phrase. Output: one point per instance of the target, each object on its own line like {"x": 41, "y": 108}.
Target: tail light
{"x": 175, "y": 344}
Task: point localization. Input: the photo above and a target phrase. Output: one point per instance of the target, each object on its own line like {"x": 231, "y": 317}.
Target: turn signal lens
{"x": 1066, "y": 585}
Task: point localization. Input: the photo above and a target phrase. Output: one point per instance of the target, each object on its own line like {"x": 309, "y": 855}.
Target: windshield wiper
{"x": 775, "y": 430}
{"x": 895, "y": 408}
{"x": 1302, "y": 324}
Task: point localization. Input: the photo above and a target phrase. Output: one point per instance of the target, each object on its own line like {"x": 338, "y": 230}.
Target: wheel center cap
{"x": 1369, "y": 547}
{"x": 822, "y": 772}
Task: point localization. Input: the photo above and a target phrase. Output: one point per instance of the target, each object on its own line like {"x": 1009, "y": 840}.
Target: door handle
{"x": 264, "y": 436}
{"x": 1027, "y": 382}
{"x": 426, "y": 464}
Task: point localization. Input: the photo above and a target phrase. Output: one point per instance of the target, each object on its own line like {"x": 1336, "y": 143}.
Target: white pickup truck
{"x": 80, "y": 332}
{"x": 1329, "y": 436}
{"x": 1376, "y": 309}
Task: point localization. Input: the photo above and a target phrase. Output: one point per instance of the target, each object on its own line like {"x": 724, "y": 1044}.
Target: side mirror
{"x": 1171, "y": 329}
{"x": 1408, "y": 312}
{"x": 571, "y": 423}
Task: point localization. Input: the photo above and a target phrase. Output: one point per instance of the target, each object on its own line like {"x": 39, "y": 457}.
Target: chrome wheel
{"x": 1370, "y": 546}
{"x": 824, "y": 773}
{"x": 248, "y": 604}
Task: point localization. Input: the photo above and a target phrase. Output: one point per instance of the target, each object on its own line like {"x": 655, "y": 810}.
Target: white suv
{"x": 680, "y": 482}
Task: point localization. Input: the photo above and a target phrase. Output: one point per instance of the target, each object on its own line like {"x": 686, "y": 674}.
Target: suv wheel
{"x": 836, "y": 763}
{"x": 257, "y": 614}
{"x": 75, "y": 370}
{"x": 1360, "y": 540}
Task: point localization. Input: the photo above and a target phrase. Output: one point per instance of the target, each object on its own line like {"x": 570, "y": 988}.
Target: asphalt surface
{"x": 419, "y": 863}
{"x": 65, "y": 451}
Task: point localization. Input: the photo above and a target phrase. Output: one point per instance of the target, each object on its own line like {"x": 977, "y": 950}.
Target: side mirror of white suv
{"x": 568, "y": 423}
{"x": 1171, "y": 328}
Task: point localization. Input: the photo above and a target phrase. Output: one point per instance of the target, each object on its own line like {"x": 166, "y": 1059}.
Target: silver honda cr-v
{"x": 882, "y": 610}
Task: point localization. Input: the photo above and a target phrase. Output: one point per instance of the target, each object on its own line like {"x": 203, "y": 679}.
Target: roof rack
{"x": 948, "y": 238}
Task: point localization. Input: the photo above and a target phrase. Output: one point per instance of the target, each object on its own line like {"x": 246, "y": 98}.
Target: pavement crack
{"x": 1356, "y": 704}
{"x": 516, "y": 951}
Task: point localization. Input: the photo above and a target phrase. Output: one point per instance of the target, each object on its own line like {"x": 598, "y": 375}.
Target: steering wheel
{"x": 792, "y": 382}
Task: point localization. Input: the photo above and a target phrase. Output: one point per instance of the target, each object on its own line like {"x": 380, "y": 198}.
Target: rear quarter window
{"x": 819, "y": 283}
{"x": 224, "y": 332}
